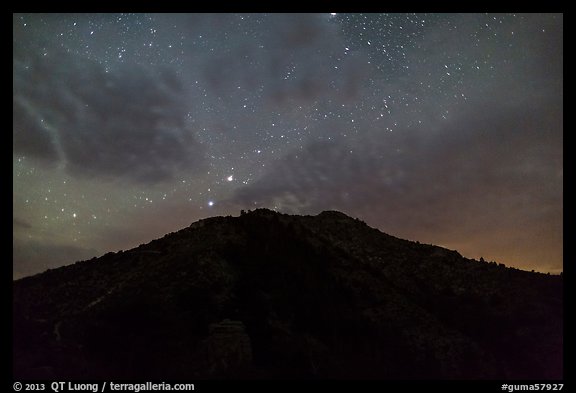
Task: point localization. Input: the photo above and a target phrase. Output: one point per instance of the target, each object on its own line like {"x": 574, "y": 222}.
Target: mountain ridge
{"x": 322, "y": 296}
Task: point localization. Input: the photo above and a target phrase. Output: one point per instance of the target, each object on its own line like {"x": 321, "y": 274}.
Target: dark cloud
{"x": 283, "y": 58}
{"x": 18, "y": 224}
{"x": 488, "y": 170}
{"x": 29, "y": 137}
{"x": 128, "y": 121}
{"x": 299, "y": 109}
{"x": 491, "y": 164}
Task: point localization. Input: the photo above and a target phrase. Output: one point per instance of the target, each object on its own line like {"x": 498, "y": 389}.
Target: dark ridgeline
{"x": 269, "y": 295}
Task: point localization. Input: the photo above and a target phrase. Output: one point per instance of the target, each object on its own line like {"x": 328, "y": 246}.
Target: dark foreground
{"x": 267, "y": 295}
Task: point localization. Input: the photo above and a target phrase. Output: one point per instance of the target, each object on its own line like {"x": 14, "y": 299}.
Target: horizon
{"x": 445, "y": 129}
{"x": 251, "y": 211}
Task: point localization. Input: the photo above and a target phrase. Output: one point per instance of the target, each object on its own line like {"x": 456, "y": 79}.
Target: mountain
{"x": 269, "y": 295}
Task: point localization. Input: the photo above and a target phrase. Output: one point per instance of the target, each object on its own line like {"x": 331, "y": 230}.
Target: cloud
{"x": 495, "y": 161}
{"x": 488, "y": 170}
{"x": 483, "y": 151}
{"x": 126, "y": 122}
{"x": 19, "y": 224}
{"x": 279, "y": 59}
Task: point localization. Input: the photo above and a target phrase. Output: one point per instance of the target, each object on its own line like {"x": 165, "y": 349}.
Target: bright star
{"x": 230, "y": 178}
{"x": 210, "y": 203}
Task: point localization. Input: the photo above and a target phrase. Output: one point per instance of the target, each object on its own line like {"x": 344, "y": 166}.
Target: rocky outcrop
{"x": 228, "y": 346}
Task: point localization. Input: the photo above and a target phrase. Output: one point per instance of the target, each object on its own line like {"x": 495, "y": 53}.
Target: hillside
{"x": 269, "y": 295}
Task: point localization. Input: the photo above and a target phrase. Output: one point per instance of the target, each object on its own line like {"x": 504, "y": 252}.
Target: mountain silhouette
{"x": 269, "y": 295}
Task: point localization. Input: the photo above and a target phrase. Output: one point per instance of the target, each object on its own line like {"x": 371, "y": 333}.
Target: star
{"x": 142, "y": 108}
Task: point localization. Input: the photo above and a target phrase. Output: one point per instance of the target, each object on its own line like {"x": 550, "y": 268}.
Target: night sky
{"x": 441, "y": 128}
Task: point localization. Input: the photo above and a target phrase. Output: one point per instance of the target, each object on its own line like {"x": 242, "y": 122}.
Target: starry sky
{"x": 441, "y": 128}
